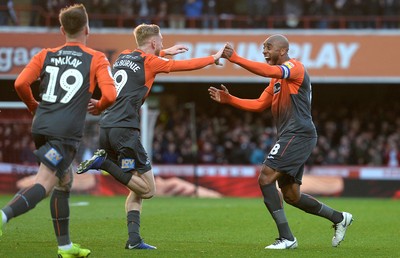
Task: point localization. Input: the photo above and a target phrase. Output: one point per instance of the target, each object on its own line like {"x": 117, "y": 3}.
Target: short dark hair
{"x": 73, "y": 18}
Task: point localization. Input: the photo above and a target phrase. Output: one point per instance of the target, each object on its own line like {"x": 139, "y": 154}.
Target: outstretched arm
{"x": 174, "y": 50}
{"x": 254, "y": 105}
{"x": 262, "y": 69}
{"x": 196, "y": 63}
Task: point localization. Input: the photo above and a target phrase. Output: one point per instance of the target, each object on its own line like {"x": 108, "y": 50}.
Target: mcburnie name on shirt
{"x": 127, "y": 63}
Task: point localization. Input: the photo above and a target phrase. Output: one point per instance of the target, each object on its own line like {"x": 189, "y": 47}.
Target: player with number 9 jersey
{"x": 122, "y": 154}
{"x": 134, "y": 72}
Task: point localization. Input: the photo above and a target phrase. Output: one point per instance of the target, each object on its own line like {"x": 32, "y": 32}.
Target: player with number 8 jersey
{"x": 288, "y": 95}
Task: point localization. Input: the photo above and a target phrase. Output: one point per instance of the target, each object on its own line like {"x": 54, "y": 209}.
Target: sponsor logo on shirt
{"x": 53, "y": 156}
{"x": 127, "y": 163}
{"x": 277, "y": 87}
{"x": 64, "y": 52}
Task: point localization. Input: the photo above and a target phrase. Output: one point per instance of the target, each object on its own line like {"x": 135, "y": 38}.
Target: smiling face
{"x": 275, "y": 50}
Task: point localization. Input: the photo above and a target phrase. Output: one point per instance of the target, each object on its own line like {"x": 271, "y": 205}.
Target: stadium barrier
{"x": 225, "y": 180}
{"x": 330, "y": 56}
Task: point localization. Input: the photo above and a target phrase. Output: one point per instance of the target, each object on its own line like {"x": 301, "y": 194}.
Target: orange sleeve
{"x": 28, "y": 76}
{"x": 191, "y": 64}
{"x": 262, "y": 69}
{"x": 164, "y": 65}
{"x": 105, "y": 82}
{"x": 254, "y": 105}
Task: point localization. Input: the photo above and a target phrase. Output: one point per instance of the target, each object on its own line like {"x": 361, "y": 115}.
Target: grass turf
{"x": 190, "y": 227}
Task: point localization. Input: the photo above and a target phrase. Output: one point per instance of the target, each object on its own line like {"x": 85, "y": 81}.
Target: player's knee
{"x": 288, "y": 200}
{"x": 266, "y": 176}
{"x": 291, "y": 199}
{"x": 148, "y": 195}
{"x": 64, "y": 188}
{"x": 64, "y": 185}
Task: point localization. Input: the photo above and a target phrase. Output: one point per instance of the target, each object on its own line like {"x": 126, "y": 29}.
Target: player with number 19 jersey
{"x": 68, "y": 75}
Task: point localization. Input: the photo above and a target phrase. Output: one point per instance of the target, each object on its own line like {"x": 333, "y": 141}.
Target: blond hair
{"x": 145, "y": 31}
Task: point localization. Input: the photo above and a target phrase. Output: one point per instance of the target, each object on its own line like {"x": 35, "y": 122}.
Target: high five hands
{"x": 225, "y": 52}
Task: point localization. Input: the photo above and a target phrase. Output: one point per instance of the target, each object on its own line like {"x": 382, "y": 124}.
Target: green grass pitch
{"x": 195, "y": 227}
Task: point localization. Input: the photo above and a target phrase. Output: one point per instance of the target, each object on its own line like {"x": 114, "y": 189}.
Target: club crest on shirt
{"x": 53, "y": 156}
{"x": 127, "y": 163}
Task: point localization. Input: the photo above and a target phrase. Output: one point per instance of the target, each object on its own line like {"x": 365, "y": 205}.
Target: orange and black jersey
{"x": 68, "y": 75}
{"x": 288, "y": 95}
{"x": 134, "y": 73}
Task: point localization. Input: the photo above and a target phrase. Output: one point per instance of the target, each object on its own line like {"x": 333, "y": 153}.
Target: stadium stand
{"x": 347, "y": 136}
{"x": 221, "y": 14}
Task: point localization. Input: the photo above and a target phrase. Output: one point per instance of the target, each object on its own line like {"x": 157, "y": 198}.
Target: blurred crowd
{"x": 220, "y": 14}
{"x": 348, "y": 135}
{"x": 16, "y": 144}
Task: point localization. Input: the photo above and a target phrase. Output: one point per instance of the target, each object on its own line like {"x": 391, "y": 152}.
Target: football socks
{"x": 310, "y": 205}
{"x": 59, "y": 208}
{"x": 25, "y": 201}
{"x": 273, "y": 202}
{"x": 133, "y": 223}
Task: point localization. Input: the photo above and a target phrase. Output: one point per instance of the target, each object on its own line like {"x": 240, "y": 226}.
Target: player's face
{"x": 158, "y": 44}
{"x": 271, "y": 52}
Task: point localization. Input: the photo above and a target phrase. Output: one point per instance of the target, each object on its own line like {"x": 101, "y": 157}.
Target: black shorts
{"x": 288, "y": 156}
{"x": 55, "y": 152}
{"x": 124, "y": 148}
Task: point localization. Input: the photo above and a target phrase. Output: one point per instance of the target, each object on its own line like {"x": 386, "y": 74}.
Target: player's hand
{"x": 33, "y": 111}
{"x": 218, "y": 55}
{"x": 177, "y": 49}
{"x": 228, "y": 51}
{"x": 92, "y": 107}
{"x": 218, "y": 95}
